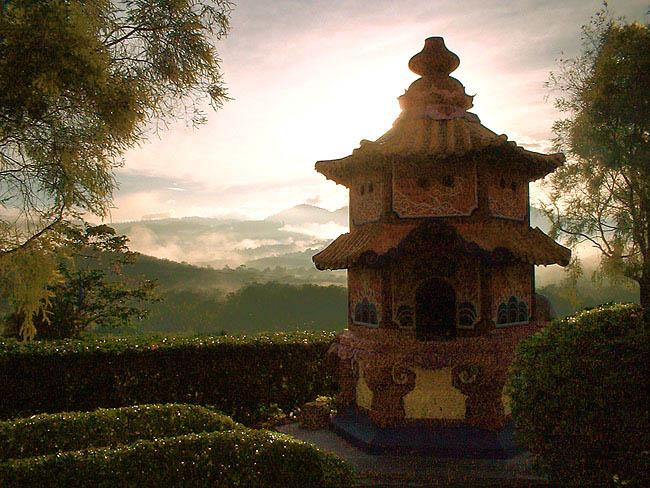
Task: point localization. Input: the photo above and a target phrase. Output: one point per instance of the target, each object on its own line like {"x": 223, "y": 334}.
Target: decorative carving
{"x": 402, "y": 374}
{"x": 507, "y": 195}
{"x": 405, "y": 317}
{"x": 467, "y": 315}
{"x": 417, "y": 196}
{"x": 468, "y": 374}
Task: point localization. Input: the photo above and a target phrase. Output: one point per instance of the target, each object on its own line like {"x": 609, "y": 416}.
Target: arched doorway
{"x": 435, "y": 310}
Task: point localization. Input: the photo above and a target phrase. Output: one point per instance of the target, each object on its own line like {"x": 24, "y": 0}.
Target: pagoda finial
{"x": 434, "y": 60}
{"x": 436, "y": 95}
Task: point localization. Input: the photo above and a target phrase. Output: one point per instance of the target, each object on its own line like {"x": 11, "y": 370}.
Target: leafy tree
{"x": 81, "y": 81}
{"x": 91, "y": 291}
{"x": 602, "y": 194}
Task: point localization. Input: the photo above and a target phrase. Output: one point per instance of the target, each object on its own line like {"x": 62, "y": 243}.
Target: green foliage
{"x": 277, "y": 307}
{"x": 579, "y": 396}
{"x": 82, "y": 81}
{"x": 255, "y": 307}
{"x": 254, "y": 459}
{"x": 571, "y": 298}
{"x": 91, "y": 291}
{"x": 236, "y": 374}
{"x": 602, "y": 194}
{"x": 71, "y": 431}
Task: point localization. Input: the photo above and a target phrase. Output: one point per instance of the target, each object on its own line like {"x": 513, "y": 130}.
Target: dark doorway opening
{"x": 435, "y": 310}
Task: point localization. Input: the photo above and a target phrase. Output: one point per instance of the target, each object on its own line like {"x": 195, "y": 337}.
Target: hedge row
{"x": 236, "y": 374}
{"x": 255, "y": 459}
{"x": 579, "y": 396}
{"x": 71, "y": 431}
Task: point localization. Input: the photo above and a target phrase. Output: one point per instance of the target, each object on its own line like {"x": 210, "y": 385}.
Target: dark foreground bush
{"x": 70, "y": 431}
{"x": 253, "y": 459}
{"x": 237, "y": 374}
{"x": 579, "y": 393}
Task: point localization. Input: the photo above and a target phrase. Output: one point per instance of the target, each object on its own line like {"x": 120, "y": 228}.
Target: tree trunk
{"x": 644, "y": 292}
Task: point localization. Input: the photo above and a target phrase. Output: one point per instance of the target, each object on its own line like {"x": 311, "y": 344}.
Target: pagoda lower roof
{"x": 437, "y": 140}
{"x": 374, "y": 242}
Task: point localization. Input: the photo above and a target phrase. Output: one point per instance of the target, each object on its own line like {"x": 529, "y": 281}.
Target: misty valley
{"x": 272, "y": 285}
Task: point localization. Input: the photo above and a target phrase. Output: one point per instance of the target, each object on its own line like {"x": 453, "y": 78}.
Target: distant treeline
{"x": 246, "y": 300}
{"x": 172, "y": 275}
{"x": 257, "y": 307}
{"x": 587, "y": 294}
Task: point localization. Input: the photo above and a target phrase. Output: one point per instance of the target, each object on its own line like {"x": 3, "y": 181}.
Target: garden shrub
{"x": 579, "y": 396}
{"x": 254, "y": 459}
{"x": 71, "y": 431}
{"x": 236, "y": 374}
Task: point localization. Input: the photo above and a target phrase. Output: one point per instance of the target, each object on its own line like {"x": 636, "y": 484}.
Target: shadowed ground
{"x": 386, "y": 470}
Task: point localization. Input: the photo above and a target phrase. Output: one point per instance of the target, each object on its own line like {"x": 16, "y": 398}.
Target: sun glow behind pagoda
{"x": 440, "y": 258}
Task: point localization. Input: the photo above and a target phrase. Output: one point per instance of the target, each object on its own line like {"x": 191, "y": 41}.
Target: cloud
{"x": 141, "y": 195}
{"x": 330, "y": 230}
{"x": 314, "y": 200}
{"x": 157, "y": 216}
{"x": 309, "y": 83}
{"x": 532, "y": 144}
{"x": 257, "y": 243}
{"x": 133, "y": 206}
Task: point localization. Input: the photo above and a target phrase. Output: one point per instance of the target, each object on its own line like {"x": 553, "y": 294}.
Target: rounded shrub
{"x": 579, "y": 397}
{"x": 70, "y": 431}
{"x": 254, "y": 459}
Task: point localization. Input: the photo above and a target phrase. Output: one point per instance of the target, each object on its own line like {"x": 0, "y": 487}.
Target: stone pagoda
{"x": 440, "y": 259}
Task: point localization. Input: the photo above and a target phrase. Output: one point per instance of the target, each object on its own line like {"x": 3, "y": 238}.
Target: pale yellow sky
{"x": 310, "y": 79}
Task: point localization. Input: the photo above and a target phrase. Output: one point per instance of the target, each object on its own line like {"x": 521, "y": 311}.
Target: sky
{"x": 310, "y": 79}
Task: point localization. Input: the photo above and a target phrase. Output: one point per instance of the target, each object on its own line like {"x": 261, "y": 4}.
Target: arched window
{"x": 502, "y": 314}
{"x": 513, "y": 310}
{"x": 466, "y": 315}
{"x": 365, "y": 311}
{"x": 372, "y": 314}
{"x": 523, "y": 312}
{"x": 358, "y": 312}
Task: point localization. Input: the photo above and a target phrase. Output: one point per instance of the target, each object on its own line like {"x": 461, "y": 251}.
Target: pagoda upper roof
{"x": 373, "y": 242}
{"x": 435, "y": 127}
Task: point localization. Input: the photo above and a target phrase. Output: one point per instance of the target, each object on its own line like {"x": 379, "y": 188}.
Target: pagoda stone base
{"x": 397, "y": 380}
{"x": 455, "y": 441}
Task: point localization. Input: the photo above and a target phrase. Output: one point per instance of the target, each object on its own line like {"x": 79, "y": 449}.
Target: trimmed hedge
{"x": 579, "y": 396}
{"x": 71, "y": 431}
{"x": 255, "y": 459}
{"x": 237, "y": 374}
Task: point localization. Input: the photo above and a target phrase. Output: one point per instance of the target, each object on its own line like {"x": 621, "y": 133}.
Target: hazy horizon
{"x": 309, "y": 80}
